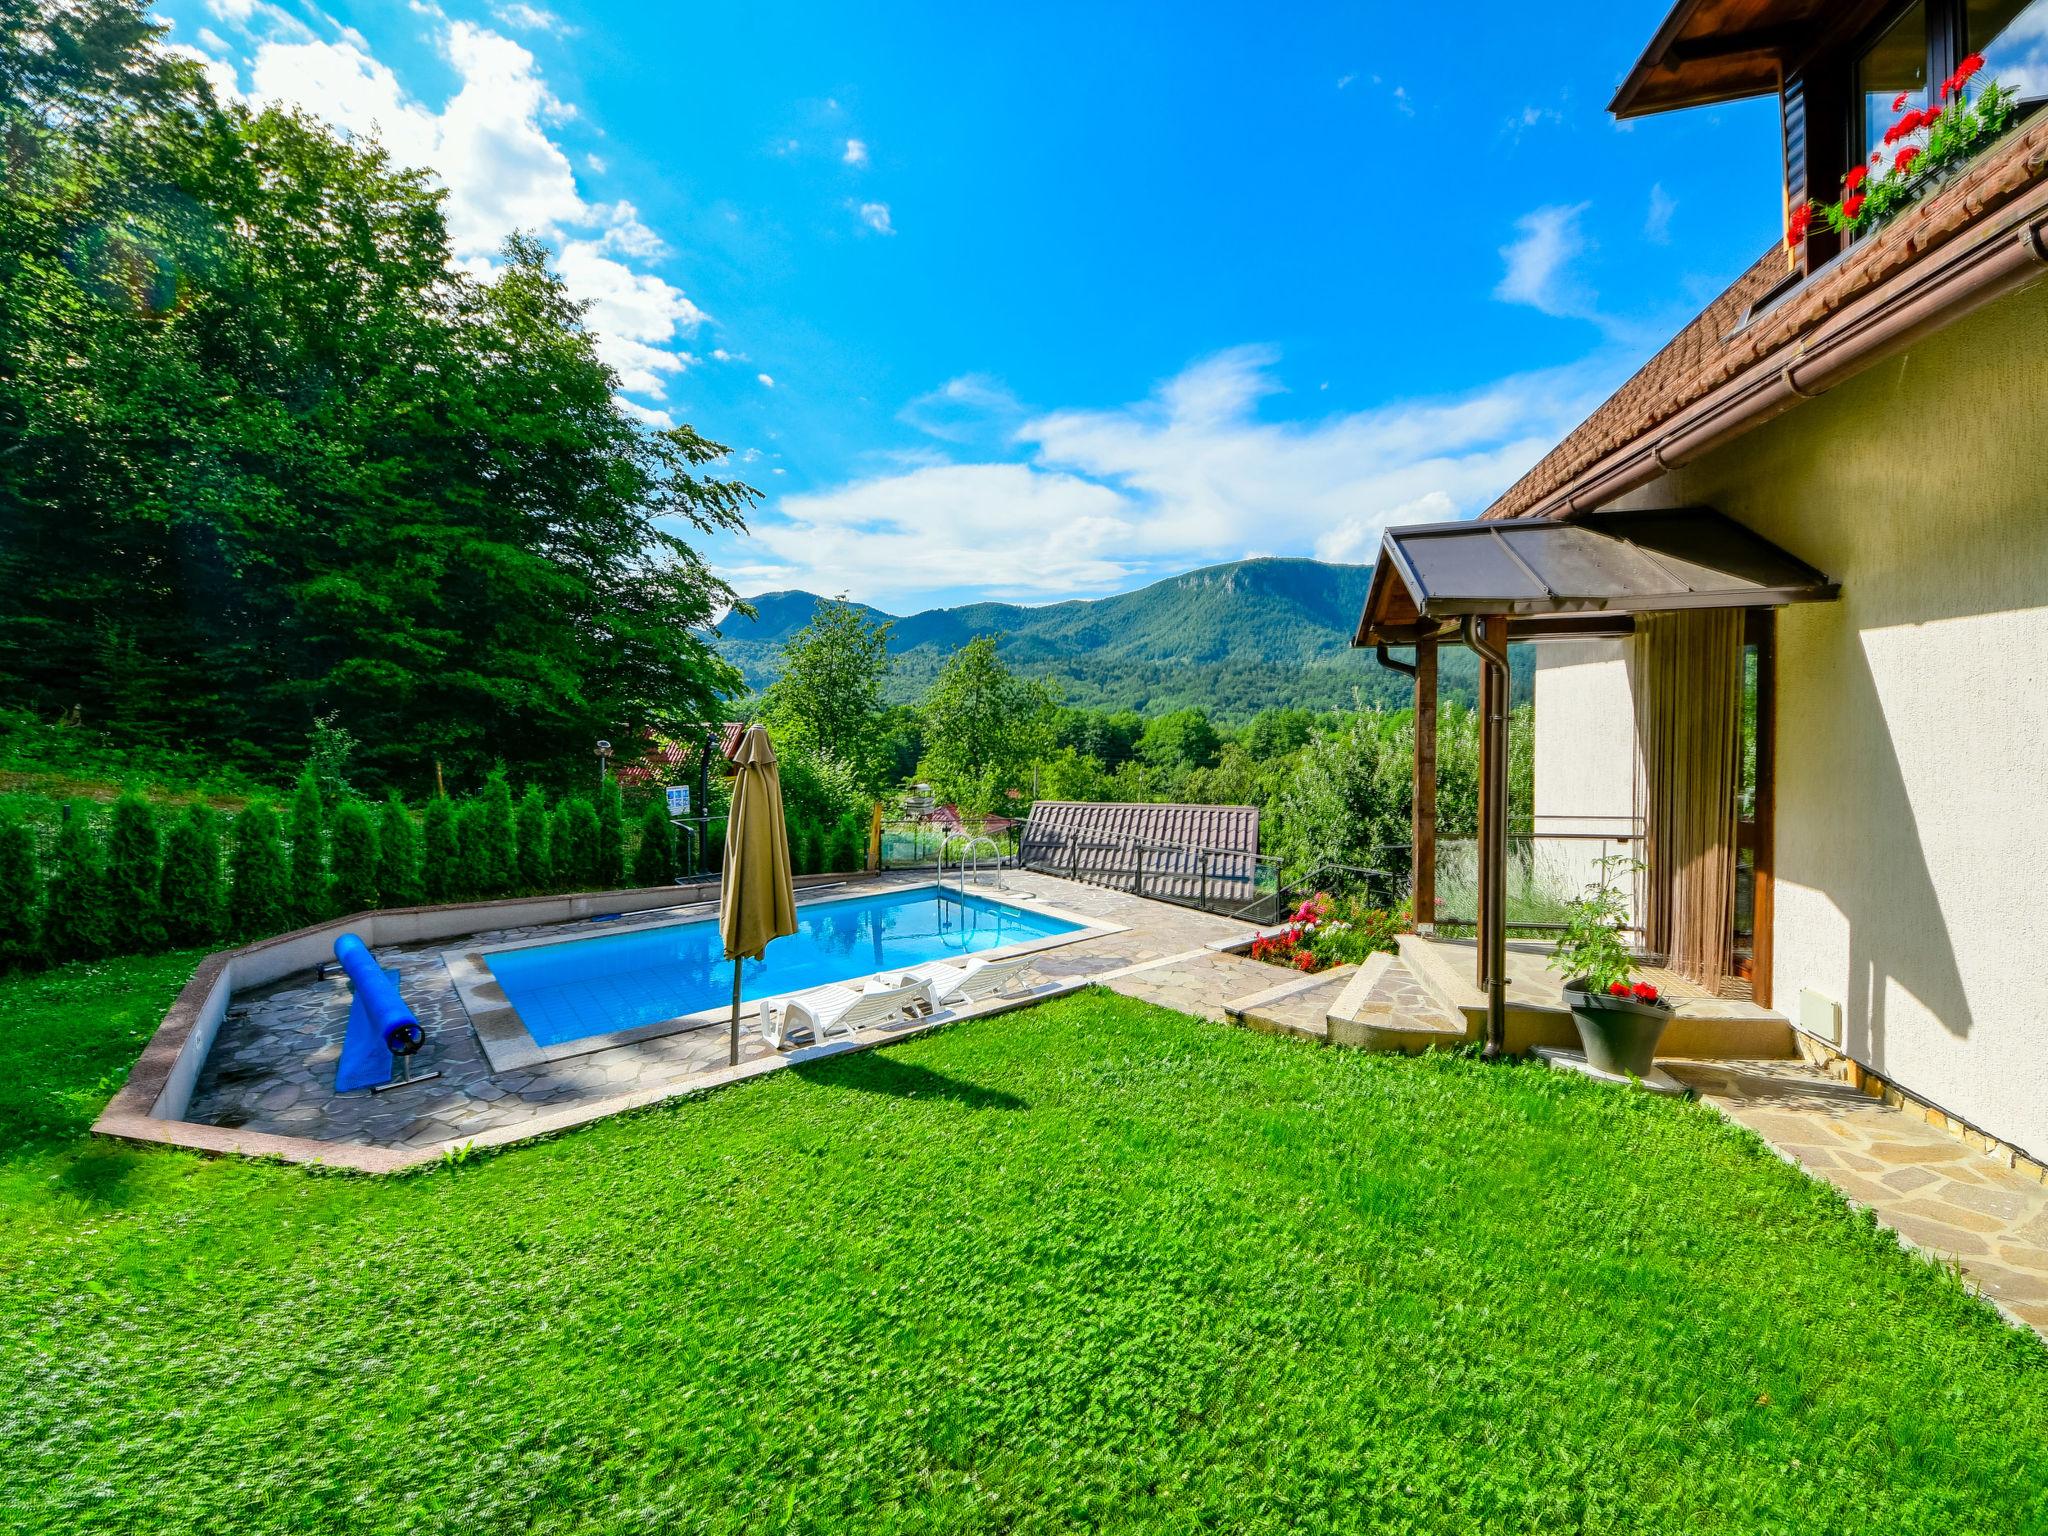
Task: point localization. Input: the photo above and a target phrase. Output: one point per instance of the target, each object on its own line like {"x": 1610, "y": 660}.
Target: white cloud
{"x": 970, "y": 406}
{"x": 597, "y": 165}
{"x": 1193, "y": 473}
{"x": 1657, "y": 222}
{"x": 220, "y": 74}
{"x": 646, "y": 414}
{"x": 856, "y": 153}
{"x": 531, "y": 18}
{"x": 492, "y": 145}
{"x": 1344, "y": 81}
{"x": 1539, "y": 263}
{"x": 765, "y": 380}
{"x": 724, "y": 356}
{"x": 876, "y": 217}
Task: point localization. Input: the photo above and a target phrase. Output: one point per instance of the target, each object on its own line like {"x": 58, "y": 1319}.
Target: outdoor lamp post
{"x": 604, "y": 756}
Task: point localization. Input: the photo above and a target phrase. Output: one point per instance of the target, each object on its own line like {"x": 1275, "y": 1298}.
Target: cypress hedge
{"x": 576, "y": 845}
{"x": 309, "y": 852}
{"x": 398, "y": 856}
{"x": 654, "y": 861}
{"x": 75, "y": 923}
{"x": 189, "y": 892}
{"x": 134, "y": 875}
{"x": 441, "y": 867}
{"x": 530, "y": 836}
{"x": 353, "y": 886}
{"x": 609, "y": 872}
{"x": 496, "y": 868}
{"x": 21, "y": 894}
{"x": 260, "y": 881}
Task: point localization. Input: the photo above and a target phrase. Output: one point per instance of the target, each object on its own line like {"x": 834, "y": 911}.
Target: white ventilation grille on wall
{"x": 1820, "y": 1016}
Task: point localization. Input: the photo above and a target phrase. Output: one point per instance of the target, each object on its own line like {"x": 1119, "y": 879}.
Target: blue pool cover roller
{"x": 381, "y": 1027}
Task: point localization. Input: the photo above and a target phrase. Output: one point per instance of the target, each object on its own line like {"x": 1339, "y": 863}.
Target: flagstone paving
{"x": 1941, "y": 1196}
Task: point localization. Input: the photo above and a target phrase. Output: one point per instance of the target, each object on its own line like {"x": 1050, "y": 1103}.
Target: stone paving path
{"x": 1936, "y": 1193}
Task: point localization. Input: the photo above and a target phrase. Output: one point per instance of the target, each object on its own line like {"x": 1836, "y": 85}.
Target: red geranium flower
{"x": 1911, "y": 123}
{"x": 1906, "y": 158}
{"x": 1617, "y": 989}
{"x": 1305, "y": 961}
{"x": 1857, "y": 176}
{"x": 1800, "y": 222}
{"x": 1930, "y": 117}
{"x": 1645, "y": 993}
{"x": 1967, "y": 68}
{"x": 1851, "y": 206}
{"x": 1899, "y": 101}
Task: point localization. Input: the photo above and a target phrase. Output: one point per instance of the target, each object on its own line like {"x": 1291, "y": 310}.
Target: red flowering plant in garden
{"x": 1326, "y": 932}
{"x": 1922, "y": 144}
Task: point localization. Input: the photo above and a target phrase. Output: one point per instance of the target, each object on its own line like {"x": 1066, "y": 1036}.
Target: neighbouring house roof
{"x": 668, "y": 756}
{"x": 1158, "y": 844}
{"x": 950, "y": 816}
{"x": 1616, "y": 562}
{"x": 1718, "y": 50}
{"x": 1745, "y": 360}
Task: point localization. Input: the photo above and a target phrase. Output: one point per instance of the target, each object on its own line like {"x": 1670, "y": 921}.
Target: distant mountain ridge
{"x": 1232, "y": 639}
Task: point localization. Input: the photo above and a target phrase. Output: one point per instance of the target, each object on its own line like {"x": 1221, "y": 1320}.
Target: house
{"x": 1198, "y": 854}
{"x": 1816, "y": 523}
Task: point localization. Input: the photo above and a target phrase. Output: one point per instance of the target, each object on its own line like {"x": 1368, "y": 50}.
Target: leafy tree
{"x": 829, "y": 696}
{"x": 21, "y": 893}
{"x": 259, "y": 889}
{"x": 984, "y": 727}
{"x": 398, "y": 856}
{"x": 191, "y": 894}
{"x": 354, "y": 859}
{"x": 530, "y": 830}
{"x": 496, "y": 870}
{"x": 272, "y": 459}
{"x": 1180, "y": 741}
{"x": 134, "y": 873}
{"x": 846, "y": 845}
{"x": 441, "y": 875}
{"x": 1277, "y": 732}
{"x": 609, "y": 858}
{"x": 654, "y": 861}
{"x": 75, "y": 919}
{"x": 309, "y": 851}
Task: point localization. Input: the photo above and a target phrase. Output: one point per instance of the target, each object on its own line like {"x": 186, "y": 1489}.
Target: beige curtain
{"x": 1686, "y": 673}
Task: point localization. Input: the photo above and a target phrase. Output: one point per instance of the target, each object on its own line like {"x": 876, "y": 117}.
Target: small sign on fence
{"x": 679, "y": 799}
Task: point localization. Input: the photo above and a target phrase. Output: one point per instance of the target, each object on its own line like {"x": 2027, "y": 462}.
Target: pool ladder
{"x": 968, "y": 865}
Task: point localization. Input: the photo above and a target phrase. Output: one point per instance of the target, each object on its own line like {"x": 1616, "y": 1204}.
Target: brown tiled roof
{"x": 1109, "y": 840}
{"x": 1716, "y": 346}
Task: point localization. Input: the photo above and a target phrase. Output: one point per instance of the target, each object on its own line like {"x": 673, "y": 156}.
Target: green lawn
{"x": 1099, "y": 1266}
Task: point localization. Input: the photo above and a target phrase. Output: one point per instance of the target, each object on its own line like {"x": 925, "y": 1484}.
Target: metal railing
{"x": 1546, "y": 872}
{"x": 1228, "y": 881}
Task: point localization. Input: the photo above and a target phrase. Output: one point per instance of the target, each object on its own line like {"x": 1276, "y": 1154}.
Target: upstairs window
{"x": 1893, "y": 66}
{"x": 2013, "y": 37}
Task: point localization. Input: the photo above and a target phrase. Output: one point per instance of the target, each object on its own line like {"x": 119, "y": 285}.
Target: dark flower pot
{"x": 1619, "y": 1034}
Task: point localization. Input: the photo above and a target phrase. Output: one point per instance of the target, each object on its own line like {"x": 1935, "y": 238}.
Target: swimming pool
{"x": 573, "y": 989}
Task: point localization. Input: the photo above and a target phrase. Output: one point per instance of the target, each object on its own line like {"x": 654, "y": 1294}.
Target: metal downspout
{"x": 1493, "y": 813}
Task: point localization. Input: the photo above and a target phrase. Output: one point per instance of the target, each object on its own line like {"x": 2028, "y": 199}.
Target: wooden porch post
{"x": 1488, "y": 638}
{"x": 1422, "y": 834}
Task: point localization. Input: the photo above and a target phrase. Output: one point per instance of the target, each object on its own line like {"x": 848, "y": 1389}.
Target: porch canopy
{"x": 1552, "y": 579}
{"x": 1491, "y": 583}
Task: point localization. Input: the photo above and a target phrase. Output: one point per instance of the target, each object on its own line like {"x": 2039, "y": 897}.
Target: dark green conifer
{"x": 190, "y": 892}
{"x": 398, "y": 856}
{"x": 259, "y": 889}
{"x": 309, "y": 851}
{"x": 75, "y": 925}
{"x": 441, "y": 865}
{"x": 654, "y": 861}
{"x": 134, "y": 871}
{"x": 21, "y": 894}
{"x": 610, "y": 872}
{"x": 530, "y": 832}
{"x": 354, "y": 859}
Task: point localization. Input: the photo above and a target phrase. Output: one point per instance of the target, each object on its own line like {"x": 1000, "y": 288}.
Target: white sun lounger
{"x": 841, "y": 1008}
{"x": 974, "y": 982}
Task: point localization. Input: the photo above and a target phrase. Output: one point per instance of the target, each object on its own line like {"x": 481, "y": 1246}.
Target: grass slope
{"x": 1101, "y": 1266}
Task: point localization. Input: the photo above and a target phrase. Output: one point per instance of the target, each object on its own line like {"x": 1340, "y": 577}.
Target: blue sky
{"x": 1048, "y": 301}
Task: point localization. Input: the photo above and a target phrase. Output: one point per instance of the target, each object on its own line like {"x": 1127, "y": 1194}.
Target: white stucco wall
{"x": 1912, "y": 809}
{"x": 1585, "y": 758}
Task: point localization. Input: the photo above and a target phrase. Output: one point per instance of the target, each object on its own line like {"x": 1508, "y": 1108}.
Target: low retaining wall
{"x": 151, "y": 1105}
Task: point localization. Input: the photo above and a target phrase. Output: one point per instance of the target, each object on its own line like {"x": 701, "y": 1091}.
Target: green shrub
{"x": 496, "y": 869}
{"x": 807, "y": 848}
{"x": 609, "y": 872}
{"x": 469, "y": 849}
{"x": 190, "y": 894}
{"x": 21, "y": 894}
{"x": 846, "y": 847}
{"x": 530, "y": 839}
{"x": 441, "y": 865}
{"x": 354, "y": 857}
{"x": 259, "y": 888}
{"x": 654, "y": 861}
{"x": 75, "y": 924}
{"x": 134, "y": 870}
{"x": 309, "y": 851}
{"x": 576, "y": 845}
{"x": 398, "y": 856}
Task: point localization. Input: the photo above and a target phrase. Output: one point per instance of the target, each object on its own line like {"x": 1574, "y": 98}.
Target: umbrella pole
{"x": 738, "y": 961}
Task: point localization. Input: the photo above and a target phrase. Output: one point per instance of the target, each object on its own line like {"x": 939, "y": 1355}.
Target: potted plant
{"x": 1619, "y": 1020}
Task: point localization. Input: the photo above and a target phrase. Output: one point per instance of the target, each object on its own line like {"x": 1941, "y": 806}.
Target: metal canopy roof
{"x": 1612, "y": 563}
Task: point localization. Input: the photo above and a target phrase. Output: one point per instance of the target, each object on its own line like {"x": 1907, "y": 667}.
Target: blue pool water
{"x": 583, "y": 987}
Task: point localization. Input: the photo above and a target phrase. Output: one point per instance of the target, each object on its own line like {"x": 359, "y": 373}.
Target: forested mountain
{"x": 1229, "y": 639}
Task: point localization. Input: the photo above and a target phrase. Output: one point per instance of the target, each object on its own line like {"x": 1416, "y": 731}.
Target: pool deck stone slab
{"x": 271, "y": 1066}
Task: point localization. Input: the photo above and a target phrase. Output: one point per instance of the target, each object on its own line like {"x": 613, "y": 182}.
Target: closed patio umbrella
{"x": 757, "y": 900}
